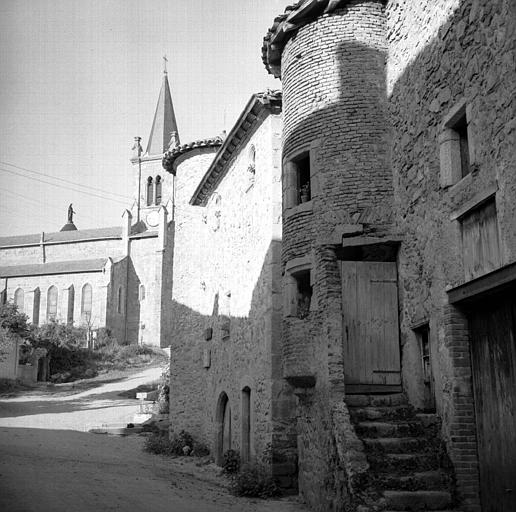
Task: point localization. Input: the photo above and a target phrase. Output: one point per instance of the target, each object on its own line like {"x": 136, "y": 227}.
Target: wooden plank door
{"x": 493, "y": 357}
{"x": 370, "y": 324}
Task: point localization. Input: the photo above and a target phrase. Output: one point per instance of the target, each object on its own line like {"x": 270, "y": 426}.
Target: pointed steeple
{"x": 164, "y": 127}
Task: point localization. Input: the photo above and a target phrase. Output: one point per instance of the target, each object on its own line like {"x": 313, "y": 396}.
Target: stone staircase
{"x": 409, "y": 468}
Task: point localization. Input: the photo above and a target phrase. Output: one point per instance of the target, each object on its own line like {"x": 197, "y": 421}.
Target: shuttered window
{"x": 480, "y": 243}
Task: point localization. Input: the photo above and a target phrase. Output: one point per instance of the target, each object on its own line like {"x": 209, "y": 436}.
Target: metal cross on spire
{"x": 165, "y": 60}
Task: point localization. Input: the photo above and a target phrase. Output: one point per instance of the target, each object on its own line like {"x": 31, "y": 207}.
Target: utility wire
{"x": 64, "y": 186}
{"x": 65, "y": 180}
{"x": 54, "y": 207}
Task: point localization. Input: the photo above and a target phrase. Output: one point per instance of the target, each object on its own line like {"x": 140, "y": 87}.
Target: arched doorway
{"x": 223, "y": 418}
{"x": 246, "y": 425}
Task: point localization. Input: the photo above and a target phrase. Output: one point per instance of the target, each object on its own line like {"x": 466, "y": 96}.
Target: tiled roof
{"x": 285, "y": 26}
{"x": 61, "y": 236}
{"x": 171, "y": 155}
{"x": 57, "y": 267}
{"x": 270, "y": 100}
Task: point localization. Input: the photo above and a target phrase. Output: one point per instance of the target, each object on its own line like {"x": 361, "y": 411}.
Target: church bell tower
{"x": 153, "y": 185}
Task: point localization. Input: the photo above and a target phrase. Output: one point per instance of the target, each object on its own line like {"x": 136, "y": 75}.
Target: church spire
{"x": 164, "y": 127}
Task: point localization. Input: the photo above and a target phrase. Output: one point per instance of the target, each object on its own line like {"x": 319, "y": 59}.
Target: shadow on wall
{"x": 238, "y": 358}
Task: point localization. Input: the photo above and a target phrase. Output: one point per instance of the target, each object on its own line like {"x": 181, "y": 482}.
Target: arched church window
{"x": 19, "y": 298}
{"x": 149, "y": 191}
{"x": 71, "y": 305}
{"x": 158, "y": 189}
{"x": 86, "y": 302}
{"x": 119, "y": 301}
{"x": 51, "y": 303}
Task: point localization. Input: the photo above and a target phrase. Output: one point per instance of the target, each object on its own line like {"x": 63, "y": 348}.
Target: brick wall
{"x": 335, "y": 106}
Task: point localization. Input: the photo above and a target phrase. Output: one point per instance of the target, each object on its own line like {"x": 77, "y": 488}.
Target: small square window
{"x": 455, "y": 146}
{"x": 302, "y": 164}
{"x": 304, "y": 293}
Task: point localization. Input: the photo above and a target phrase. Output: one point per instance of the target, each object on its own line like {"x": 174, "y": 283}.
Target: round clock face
{"x": 153, "y": 219}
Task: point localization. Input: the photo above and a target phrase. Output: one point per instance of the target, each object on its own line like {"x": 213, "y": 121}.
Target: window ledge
{"x": 299, "y": 208}
{"x": 475, "y": 201}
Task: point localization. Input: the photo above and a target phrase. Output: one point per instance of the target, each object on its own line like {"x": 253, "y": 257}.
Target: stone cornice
{"x": 171, "y": 155}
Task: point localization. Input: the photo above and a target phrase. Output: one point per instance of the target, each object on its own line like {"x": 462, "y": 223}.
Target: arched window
{"x": 119, "y": 301}
{"x": 71, "y": 305}
{"x": 142, "y": 292}
{"x": 51, "y": 303}
{"x": 149, "y": 191}
{"x": 19, "y": 298}
{"x": 158, "y": 189}
{"x": 86, "y": 302}
{"x": 35, "y": 309}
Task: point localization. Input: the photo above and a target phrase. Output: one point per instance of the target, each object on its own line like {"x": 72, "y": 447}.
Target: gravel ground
{"x": 48, "y": 462}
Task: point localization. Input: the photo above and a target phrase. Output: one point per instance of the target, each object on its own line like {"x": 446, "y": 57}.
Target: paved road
{"x": 49, "y": 464}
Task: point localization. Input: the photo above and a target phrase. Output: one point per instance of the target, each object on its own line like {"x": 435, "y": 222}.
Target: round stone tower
{"x": 337, "y": 201}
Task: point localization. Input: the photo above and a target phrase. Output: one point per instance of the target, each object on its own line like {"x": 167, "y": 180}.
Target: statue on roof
{"x": 70, "y": 214}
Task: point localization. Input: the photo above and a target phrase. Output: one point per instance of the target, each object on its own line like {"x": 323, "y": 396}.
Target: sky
{"x": 79, "y": 80}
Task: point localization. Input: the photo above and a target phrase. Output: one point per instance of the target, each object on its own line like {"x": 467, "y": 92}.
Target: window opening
{"x": 158, "y": 189}
{"x": 304, "y": 293}
{"x": 480, "y": 243}
{"x": 246, "y": 425}
{"x": 142, "y": 292}
{"x": 86, "y": 302}
{"x": 19, "y": 298}
{"x": 119, "y": 301}
{"x": 51, "y": 303}
{"x": 71, "y": 305}
{"x": 149, "y": 191}
{"x": 461, "y": 127}
{"x": 35, "y": 309}
{"x": 423, "y": 336}
{"x": 302, "y": 164}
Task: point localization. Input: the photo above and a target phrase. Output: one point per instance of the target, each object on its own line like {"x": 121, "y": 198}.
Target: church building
{"x": 111, "y": 277}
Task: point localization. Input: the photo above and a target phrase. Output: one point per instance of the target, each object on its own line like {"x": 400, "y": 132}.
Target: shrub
{"x": 253, "y": 481}
{"x": 164, "y": 391}
{"x": 159, "y": 443}
{"x": 231, "y": 463}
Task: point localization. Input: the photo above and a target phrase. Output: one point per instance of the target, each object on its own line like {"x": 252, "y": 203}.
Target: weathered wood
{"x": 480, "y": 241}
{"x": 370, "y": 323}
{"x": 493, "y": 350}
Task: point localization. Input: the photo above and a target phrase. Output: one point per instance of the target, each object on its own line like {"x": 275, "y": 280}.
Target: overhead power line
{"x": 46, "y": 204}
{"x": 64, "y": 186}
{"x": 95, "y": 189}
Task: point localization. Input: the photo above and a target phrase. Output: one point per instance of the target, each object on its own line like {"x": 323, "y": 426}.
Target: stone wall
{"x": 63, "y": 282}
{"x": 226, "y": 301}
{"x": 335, "y": 107}
{"x": 441, "y": 54}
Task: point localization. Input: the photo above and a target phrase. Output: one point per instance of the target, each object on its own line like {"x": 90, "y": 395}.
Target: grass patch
{"x": 179, "y": 445}
{"x": 253, "y": 481}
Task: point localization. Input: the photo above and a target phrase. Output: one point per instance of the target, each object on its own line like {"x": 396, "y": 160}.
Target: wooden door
{"x": 370, "y": 326}
{"x": 493, "y": 355}
{"x": 226, "y": 429}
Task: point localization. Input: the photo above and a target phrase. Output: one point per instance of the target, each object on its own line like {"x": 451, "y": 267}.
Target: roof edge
{"x": 173, "y": 154}
{"x": 286, "y": 25}
{"x": 271, "y": 100}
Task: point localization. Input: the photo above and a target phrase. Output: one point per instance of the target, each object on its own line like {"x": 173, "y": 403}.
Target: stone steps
{"x": 418, "y": 500}
{"x": 403, "y": 463}
{"x": 402, "y": 449}
{"x": 398, "y": 412}
{"x": 417, "y": 480}
{"x": 394, "y": 444}
{"x": 373, "y": 429}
